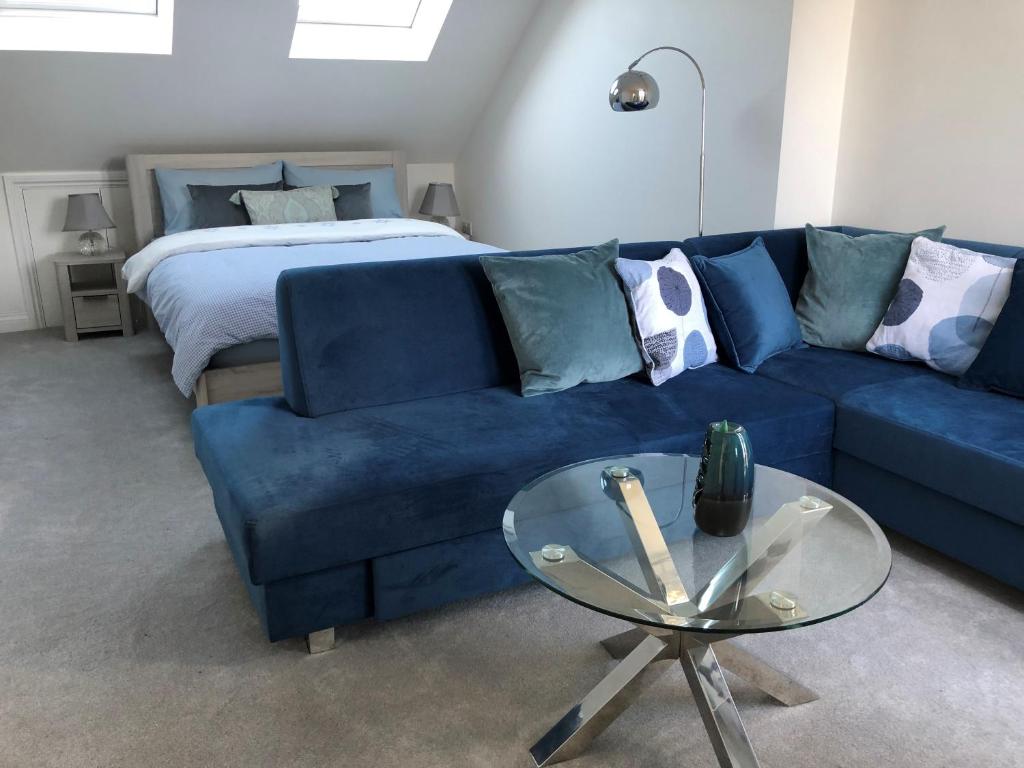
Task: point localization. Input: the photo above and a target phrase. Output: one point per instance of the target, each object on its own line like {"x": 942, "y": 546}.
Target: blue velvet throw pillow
{"x": 999, "y": 365}
{"x": 567, "y": 317}
{"x": 748, "y": 305}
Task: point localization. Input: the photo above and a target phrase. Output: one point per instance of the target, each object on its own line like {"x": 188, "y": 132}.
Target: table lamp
{"x": 439, "y": 202}
{"x": 86, "y": 215}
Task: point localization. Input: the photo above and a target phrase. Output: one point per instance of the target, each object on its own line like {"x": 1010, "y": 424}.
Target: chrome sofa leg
{"x": 323, "y": 640}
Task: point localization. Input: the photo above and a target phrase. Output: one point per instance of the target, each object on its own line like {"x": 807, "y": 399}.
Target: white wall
{"x": 819, "y": 47}
{"x": 550, "y": 164}
{"x": 230, "y": 87}
{"x": 933, "y": 118}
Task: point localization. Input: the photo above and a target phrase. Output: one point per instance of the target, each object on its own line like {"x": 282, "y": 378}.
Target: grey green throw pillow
{"x": 850, "y": 282}
{"x": 351, "y": 202}
{"x": 294, "y": 206}
{"x": 566, "y": 316}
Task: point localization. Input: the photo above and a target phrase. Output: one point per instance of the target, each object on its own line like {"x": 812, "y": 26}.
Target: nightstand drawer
{"x": 97, "y": 311}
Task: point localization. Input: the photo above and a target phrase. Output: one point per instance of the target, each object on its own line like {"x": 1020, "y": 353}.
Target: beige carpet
{"x": 128, "y": 640}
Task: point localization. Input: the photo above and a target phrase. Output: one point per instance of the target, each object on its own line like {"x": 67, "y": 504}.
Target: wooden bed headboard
{"x": 148, "y": 215}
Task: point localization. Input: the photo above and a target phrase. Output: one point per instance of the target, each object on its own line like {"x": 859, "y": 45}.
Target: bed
{"x": 211, "y": 291}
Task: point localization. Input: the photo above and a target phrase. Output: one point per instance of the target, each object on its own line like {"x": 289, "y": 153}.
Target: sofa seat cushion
{"x": 832, "y": 373}
{"x": 306, "y": 494}
{"x": 784, "y": 423}
{"x": 965, "y": 444}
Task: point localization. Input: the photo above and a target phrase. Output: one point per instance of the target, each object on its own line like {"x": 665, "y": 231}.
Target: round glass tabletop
{"x": 626, "y": 544}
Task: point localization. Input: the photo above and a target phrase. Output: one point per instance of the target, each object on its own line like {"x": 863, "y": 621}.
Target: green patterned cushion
{"x": 294, "y": 206}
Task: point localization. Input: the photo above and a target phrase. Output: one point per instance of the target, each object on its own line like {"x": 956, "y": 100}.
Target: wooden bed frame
{"x": 218, "y": 385}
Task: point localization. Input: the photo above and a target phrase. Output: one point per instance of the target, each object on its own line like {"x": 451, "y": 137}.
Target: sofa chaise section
{"x": 938, "y": 463}
{"x": 941, "y": 464}
{"x": 398, "y": 504}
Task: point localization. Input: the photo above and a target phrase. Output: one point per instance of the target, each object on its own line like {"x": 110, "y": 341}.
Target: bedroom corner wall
{"x": 932, "y": 118}
{"x": 549, "y": 164}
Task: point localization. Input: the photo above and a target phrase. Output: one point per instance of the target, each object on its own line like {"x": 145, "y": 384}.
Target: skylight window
{"x": 95, "y": 6}
{"x": 380, "y": 30}
{"x": 95, "y": 26}
{"x": 373, "y": 13}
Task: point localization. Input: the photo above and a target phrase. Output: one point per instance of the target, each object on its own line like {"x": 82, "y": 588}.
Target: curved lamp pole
{"x": 635, "y": 90}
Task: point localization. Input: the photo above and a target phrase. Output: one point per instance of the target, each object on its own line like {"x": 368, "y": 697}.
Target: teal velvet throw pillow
{"x": 850, "y": 282}
{"x": 566, "y": 316}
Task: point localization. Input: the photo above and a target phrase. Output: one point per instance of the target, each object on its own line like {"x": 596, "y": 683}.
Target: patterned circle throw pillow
{"x": 945, "y": 306}
{"x": 669, "y": 315}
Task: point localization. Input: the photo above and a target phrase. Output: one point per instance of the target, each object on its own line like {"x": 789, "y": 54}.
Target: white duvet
{"x": 136, "y": 270}
{"x": 215, "y": 288}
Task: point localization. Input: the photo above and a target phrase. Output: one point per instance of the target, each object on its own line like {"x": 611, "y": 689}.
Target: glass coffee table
{"x": 617, "y": 536}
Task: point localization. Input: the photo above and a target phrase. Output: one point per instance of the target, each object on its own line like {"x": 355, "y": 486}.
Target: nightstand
{"x": 92, "y": 294}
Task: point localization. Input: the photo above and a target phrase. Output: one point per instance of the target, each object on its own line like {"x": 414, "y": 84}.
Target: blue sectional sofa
{"x": 375, "y": 487}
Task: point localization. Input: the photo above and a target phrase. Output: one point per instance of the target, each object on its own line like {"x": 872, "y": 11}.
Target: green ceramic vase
{"x": 724, "y": 491}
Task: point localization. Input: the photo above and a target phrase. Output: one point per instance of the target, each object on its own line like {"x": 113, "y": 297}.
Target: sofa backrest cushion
{"x": 996, "y": 249}
{"x": 787, "y": 247}
{"x": 359, "y": 335}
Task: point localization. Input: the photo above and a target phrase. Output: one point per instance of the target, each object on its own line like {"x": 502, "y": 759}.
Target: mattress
{"x": 250, "y": 353}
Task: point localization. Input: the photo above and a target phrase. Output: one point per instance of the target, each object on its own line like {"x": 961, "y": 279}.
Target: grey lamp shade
{"x": 439, "y": 200}
{"x": 86, "y": 212}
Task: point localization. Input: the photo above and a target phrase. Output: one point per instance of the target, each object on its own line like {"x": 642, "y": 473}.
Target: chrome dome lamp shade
{"x": 636, "y": 91}
{"x": 633, "y": 91}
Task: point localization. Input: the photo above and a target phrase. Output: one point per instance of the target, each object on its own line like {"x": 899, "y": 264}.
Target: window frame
{"x": 88, "y": 31}
{"x": 46, "y": 7}
{"x": 339, "y": 17}
{"x": 372, "y": 42}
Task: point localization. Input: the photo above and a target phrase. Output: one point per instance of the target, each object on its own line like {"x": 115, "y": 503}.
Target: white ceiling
{"x": 230, "y": 86}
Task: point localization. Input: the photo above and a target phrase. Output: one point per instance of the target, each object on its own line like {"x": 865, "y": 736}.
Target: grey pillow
{"x": 352, "y": 202}
{"x": 850, "y": 282}
{"x": 566, "y": 316}
{"x": 212, "y": 206}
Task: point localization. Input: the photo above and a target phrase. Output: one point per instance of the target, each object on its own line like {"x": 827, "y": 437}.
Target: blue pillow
{"x": 176, "y": 202}
{"x": 383, "y": 194}
{"x": 748, "y": 305}
{"x": 1000, "y": 364}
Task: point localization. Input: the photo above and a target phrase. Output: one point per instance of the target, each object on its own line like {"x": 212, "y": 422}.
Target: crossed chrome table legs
{"x": 646, "y": 653}
{"x": 643, "y": 651}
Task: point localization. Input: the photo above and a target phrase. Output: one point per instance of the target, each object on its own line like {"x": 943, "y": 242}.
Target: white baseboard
{"x": 12, "y": 323}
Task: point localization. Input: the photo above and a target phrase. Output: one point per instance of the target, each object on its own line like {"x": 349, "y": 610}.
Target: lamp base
{"x": 91, "y": 243}
{"x": 446, "y": 220}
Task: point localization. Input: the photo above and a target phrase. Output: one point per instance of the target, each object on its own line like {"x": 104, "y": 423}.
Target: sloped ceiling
{"x": 230, "y": 86}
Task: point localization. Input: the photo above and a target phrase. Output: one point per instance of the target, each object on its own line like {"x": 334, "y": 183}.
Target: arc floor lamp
{"x": 635, "y": 90}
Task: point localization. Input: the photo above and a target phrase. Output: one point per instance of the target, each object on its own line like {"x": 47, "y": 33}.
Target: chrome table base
{"x": 644, "y": 650}
{"x": 645, "y": 654}
{"x": 783, "y": 689}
